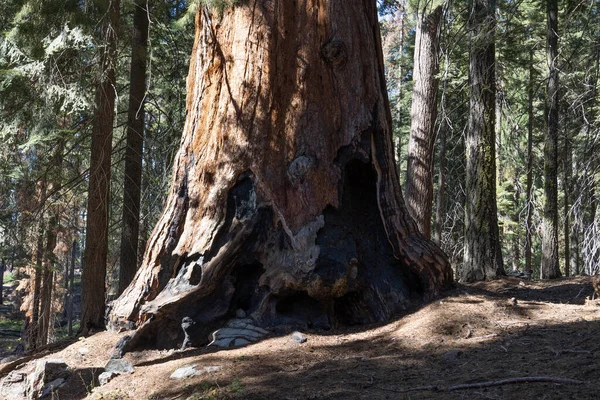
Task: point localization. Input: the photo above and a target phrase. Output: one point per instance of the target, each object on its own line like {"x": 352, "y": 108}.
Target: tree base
{"x": 338, "y": 270}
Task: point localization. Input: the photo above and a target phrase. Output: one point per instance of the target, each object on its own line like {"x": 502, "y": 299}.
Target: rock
{"x": 14, "y": 386}
{"x": 240, "y": 313}
{"x": 237, "y": 332}
{"x": 119, "y": 366}
{"x": 186, "y": 372}
{"x": 212, "y": 368}
{"x": 46, "y": 371}
{"x": 106, "y": 377}
{"x": 83, "y": 351}
{"x": 51, "y": 387}
{"x": 298, "y": 337}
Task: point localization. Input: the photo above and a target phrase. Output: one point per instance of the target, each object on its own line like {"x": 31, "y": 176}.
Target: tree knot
{"x": 334, "y": 52}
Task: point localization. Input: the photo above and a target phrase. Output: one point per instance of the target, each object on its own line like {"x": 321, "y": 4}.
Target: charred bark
{"x": 285, "y": 200}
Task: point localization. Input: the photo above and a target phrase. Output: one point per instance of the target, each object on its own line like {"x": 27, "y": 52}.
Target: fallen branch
{"x": 507, "y": 381}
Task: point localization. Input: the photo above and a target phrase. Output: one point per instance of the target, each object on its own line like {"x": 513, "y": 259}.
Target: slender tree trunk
{"x": 47, "y": 282}
{"x": 134, "y": 148}
{"x": 567, "y": 189}
{"x": 550, "y": 264}
{"x": 423, "y": 114}
{"x": 529, "y": 209}
{"x": 516, "y": 244}
{"x": 482, "y": 252}
{"x": 285, "y": 200}
{"x": 439, "y": 213}
{"x": 2, "y": 269}
{"x": 71, "y": 291}
{"x": 37, "y": 283}
{"x": 94, "y": 273}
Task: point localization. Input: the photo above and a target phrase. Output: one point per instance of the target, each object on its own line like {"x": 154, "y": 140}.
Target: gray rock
{"x": 46, "y": 371}
{"x": 51, "y": 387}
{"x": 236, "y": 333}
{"x": 212, "y": 368}
{"x": 106, "y": 377}
{"x": 298, "y": 337}
{"x": 186, "y": 372}
{"x": 119, "y": 366}
{"x": 240, "y": 342}
{"x": 240, "y": 313}
{"x": 14, "y": 386}
{"x": 223, "y": 343}
{"x": 245, "y": 333}
{"x": 83, "y": 351}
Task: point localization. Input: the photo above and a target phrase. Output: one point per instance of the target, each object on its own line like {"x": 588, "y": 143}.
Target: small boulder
{"x": 237, "y": 333}
{"x": 212, "y": 368}
{"x": 186, "y": 372}
{"x": 51, "y": 387}
{"x": 298, "y": 337}
{"x": 240, "y": 313}
{"x": 118, "y": 366}
{"x": 14, "y": 386}
{"x": 106, "y": 377}
{"x": 46, "y": 371}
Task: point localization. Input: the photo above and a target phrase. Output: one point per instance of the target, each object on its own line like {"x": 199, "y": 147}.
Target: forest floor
{"x": 485, "y": 332}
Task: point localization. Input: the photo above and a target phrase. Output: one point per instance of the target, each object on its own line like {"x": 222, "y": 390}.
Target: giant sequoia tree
{"x": 285, "y": 201}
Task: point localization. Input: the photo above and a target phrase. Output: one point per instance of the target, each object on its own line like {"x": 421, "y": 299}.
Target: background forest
{"x": 59, "y": 59}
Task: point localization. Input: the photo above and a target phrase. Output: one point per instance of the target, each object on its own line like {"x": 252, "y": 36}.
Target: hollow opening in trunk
{"x": 299, "y": 309}
{"x": 248, "y": 293}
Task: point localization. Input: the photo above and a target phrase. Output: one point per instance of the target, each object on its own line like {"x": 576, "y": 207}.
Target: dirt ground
{"x": 484, "y": 332}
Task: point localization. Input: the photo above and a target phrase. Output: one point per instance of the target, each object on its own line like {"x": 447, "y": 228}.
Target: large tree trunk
{"x": 529, "y": 209}
{"x": 421, "y": 145}
{"x": 132, "y": 187}
{"x": 482, "y": 252}
{"x": 285, "y": 200}
{"x": 550, "y": 264}
{"x": 94, "y": 266}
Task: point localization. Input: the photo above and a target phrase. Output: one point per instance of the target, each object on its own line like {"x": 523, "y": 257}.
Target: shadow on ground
{"x": 382, "y": 367}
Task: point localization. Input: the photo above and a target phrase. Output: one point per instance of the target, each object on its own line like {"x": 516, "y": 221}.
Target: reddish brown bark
{"x": 128, "y": 260}
{"x": 285, "y": 199}
{"x": 93, "y": 274}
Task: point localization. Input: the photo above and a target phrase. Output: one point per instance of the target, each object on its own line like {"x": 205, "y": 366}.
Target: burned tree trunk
{"x": 285, "y": 200}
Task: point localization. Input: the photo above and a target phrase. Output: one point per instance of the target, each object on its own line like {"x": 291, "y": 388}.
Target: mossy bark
{"x": 482, "y": 252}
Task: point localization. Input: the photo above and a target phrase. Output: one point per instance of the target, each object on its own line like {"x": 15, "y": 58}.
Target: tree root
{"x": 507, "y": 381}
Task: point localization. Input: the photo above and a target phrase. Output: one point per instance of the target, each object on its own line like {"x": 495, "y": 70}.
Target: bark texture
{"x": 134, "y": 147}
{"x": 529, "y": 216}
{"x": 550, "y": 263}
{"x": 93, "y": 274}
{"x": 482, "y": 252}
{"x": 285, "y": 200}
{"x": 423, "y": 114}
